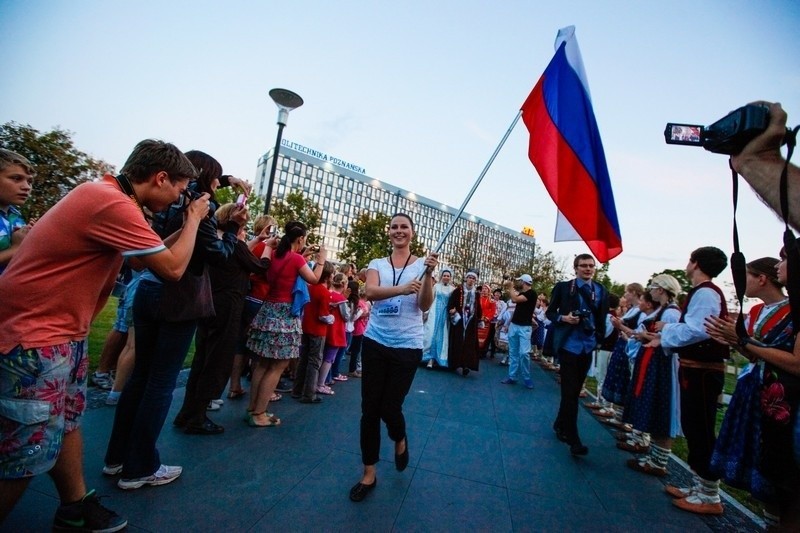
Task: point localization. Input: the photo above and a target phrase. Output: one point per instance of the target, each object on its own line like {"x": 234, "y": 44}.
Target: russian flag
{"x": 566, "y": 149}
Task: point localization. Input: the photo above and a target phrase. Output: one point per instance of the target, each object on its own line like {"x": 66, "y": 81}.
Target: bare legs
{"x": 266, "y": 374}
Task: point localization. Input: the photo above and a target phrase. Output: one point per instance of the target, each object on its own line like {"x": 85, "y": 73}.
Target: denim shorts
{"x": 42, "y": 397}
{"x": 124, "y": 319}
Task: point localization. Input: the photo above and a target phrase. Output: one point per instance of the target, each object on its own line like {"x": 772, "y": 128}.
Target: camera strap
{"x": 790, "y": 243}
{"x": 125, "y": 184}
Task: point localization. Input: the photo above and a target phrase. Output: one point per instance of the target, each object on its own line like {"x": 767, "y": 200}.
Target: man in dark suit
{"x": 578, "y": 310}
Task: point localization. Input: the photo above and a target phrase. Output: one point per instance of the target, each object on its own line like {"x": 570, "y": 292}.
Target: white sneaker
{"x": 213, "y": 406}
{"x": 165, "y": 474}
{"x": 112, "y": 470}
{"x": 102, "y": 381}
{"x": 218, "y": 401}
{"x": 112, "y": 400}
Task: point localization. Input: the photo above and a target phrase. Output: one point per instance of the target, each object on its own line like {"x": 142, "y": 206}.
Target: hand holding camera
{"x": 240, "y": 215}
{"x": 198, "y": 205}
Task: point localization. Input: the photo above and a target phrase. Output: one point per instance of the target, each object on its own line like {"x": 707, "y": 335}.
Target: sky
{"x": 419, "y": 94}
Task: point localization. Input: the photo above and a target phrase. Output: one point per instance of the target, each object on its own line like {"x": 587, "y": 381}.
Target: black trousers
{"x": 700, "y": 390}
{"x": 574, "y": 368}
{"x": 387, "y": 374}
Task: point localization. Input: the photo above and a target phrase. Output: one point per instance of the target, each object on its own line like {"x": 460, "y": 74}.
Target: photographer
{"x": 519, "y": 331}
{"x": 761, "y": 164}
{"x": 578, "y": 310}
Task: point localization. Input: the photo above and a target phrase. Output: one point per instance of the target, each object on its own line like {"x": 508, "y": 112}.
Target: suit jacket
{"x": 563, "y": 300}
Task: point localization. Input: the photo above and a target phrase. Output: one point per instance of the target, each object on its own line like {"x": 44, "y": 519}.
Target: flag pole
{"x": 455, "y": 218}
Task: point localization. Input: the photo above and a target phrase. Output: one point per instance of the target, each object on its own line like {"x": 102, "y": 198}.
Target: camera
{"x": 729, "y": 135}
{"x": 186, "y": 197}
{"x": 273, "y": 231}
{"x": 582, "y": 313}
{"x": 241, "y": 201}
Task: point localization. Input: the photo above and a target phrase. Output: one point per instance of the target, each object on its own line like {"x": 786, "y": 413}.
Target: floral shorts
{"x": 42, "y": 397}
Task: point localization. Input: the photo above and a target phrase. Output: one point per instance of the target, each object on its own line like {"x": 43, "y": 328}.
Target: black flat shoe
{"x": 401, "y": 461}
{"x": 578, "y": 449}
{"x": 360, "y": 491}
{"x": 207, "y": 428}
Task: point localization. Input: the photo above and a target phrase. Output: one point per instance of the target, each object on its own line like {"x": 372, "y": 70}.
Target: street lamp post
{"x": 286, "y": 101}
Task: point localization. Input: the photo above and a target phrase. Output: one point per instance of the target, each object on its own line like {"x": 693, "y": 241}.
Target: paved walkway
{"x": 483, "y": 458}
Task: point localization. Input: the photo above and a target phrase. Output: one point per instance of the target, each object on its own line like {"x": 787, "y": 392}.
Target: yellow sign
{"x": 527, "y": 230}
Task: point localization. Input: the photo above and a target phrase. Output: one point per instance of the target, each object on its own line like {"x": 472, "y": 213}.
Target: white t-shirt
{"x": 396, "y": 322}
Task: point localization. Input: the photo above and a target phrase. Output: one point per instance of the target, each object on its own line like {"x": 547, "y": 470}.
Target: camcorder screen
{"x": 684, "y": 134}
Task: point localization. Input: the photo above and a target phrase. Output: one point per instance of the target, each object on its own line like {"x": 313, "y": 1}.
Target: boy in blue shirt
{"x": 16, "y": 183}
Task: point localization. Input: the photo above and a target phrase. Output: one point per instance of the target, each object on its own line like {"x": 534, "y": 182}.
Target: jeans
{"x": 161, "y": 348}
{"x": 305, "y": 383}
{"x": 700, "y": 389}
{"x": 355, "y": 352}
{"x": 574, "y": 368}
{"x": 388, "y": 374}
{"x": 519, "y": 344}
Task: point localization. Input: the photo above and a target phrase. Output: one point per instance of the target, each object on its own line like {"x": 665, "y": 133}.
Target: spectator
{"x": 65, "y": 267}
{"x": 16, "y": 184}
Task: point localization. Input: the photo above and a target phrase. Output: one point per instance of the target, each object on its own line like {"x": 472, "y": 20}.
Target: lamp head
{"x": 286, "y": 100}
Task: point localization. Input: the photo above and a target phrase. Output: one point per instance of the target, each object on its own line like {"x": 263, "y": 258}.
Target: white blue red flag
{"x": 566, "y": 149}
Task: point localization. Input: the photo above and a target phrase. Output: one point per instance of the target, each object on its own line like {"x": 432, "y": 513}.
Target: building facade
{"x": 343, "y": 191}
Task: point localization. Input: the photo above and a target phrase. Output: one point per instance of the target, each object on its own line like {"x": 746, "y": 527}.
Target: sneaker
{"x": 102, "y": 381}
{"x": 509, "y": 381}
{"x": 284, "y": 386}
{"x": 112, "y": 470}
{"x": 679, "y": 492}
{"x": 165, "y": 474}
{"x": 528, "y": 384}
{"x": 218, "y": 401}
{"x": 112, "y": 399}
{"x": 213, "y": 406}
{"x": 87, "y": 515}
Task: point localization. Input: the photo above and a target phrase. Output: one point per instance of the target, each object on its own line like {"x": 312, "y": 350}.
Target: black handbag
{"x": 190, "y": 298}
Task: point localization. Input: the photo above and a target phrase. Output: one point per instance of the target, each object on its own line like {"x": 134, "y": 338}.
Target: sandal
{"x": 340, "y": 377}
{"x": 276, "y": 397}
{"x": 234, "y": 394}
{"x": 272, "y": 420}
{"x": 325, "y": 390}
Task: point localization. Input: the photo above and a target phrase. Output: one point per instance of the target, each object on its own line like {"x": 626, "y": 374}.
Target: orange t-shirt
{"x": 64, "y": 271}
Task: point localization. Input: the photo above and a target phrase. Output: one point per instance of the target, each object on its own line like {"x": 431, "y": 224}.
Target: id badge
{"x": 389, "y": 307}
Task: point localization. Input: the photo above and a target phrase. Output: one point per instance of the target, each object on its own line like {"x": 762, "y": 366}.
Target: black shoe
{"x": 560, "y": 435}
{"x": 206, "y": 428}
{"x": 401, "y": 461}
{"x": 179, "y": 421}
{"x": 465, "y": 372}
{"x": 360, "y": 491}
{"x": 315, "y": 399}
{"x": 87, "y": 515}
{"x": 578, "y": 449}
{"x": 284, "y": 385}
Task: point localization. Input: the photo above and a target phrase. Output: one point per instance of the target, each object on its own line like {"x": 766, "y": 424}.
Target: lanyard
{"x": 396, "y": 280}
{"x": 127, "y": 188}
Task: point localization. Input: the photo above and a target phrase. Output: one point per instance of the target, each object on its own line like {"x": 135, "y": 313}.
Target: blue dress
{"x": 437, "y": 327}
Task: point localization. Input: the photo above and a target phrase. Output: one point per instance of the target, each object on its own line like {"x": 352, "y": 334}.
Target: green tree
{"x": 255, "y": 203}
{"x": 465, "y": 253}
{"x": 298, "y": 207}
{"x": 680, "y": 275}
{"x": 545, "y": 268}
{"x": 366, "y": 239}
{"x": 602, "y": 277}
{"x": 59, "y": 165}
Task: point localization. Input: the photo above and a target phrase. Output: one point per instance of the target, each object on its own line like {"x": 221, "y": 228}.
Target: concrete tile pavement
{"x": 483, "y": 457}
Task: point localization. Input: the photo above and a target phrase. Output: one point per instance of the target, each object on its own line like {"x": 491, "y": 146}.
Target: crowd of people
{"x": 272, "y": 307}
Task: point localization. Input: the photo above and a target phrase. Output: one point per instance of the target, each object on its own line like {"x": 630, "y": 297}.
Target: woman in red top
{"x": 275, "y": 332}
{"x": 488, "y": 312}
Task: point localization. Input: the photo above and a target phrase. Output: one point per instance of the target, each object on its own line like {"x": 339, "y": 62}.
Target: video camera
{"x": 729, "y": 135}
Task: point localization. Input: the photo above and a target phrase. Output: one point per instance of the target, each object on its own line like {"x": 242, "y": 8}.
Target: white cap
{"x": 526, "y": 278}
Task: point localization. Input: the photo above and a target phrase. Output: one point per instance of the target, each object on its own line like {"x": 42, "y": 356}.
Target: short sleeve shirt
{"x": 282, "y": 276}
{"x": 66, "y": 266}
{"x": 402, "y": 329}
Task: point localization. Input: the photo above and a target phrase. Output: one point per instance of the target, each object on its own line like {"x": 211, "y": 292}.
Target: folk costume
{"x": 463, "y": 348}
{"x": 437, "y": 327}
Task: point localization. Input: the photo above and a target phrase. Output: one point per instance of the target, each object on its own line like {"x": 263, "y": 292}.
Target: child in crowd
{"x": 16, "y": 183}
{"x": 336, "y": 339}
{"x": 360, "y": 321}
